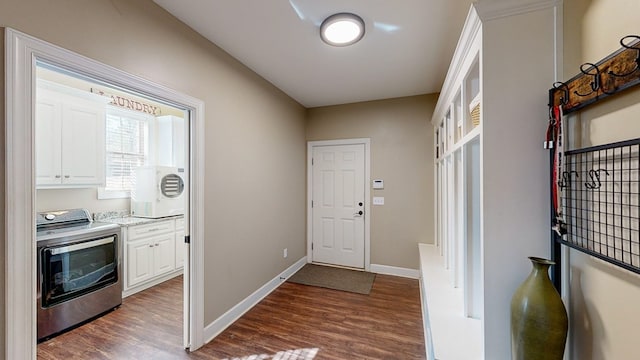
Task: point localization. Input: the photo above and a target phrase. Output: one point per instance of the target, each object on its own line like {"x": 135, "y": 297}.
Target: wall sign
{"x": 130, "y": 104}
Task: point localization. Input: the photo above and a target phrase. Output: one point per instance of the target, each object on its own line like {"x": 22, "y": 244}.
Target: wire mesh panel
{"x": 600, "y": 201}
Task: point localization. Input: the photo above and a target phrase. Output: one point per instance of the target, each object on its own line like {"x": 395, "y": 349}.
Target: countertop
{"x": 132, "y": 220}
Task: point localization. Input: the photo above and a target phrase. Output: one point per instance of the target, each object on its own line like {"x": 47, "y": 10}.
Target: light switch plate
{"x": 378, "y": 200}
{"x": 378, "y": 184}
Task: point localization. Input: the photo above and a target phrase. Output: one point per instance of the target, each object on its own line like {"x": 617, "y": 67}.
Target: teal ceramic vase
{"x": 538, "y": 317}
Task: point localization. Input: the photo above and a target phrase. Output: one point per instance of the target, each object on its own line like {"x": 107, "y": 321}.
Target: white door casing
{"x": 21, "y": 53}
{"x": 338, "y": 213}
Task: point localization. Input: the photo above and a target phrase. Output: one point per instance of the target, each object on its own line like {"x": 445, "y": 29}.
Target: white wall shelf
{"x": 445, "y": 323}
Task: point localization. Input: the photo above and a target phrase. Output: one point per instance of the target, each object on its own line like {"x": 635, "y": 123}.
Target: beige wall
{"x": 603, "y": 297}
{"x": 255, "y": 141}
{"x": 2, "y": 211}
{"x": 402, "y": 155}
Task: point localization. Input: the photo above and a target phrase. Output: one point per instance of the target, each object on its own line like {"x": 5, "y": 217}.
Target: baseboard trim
{"x": 395, "y": 271}
{"x": 220, "y": 324}
{"x": 152, "y": 283}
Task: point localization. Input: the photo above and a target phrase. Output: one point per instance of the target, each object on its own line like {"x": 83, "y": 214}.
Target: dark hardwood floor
{"x": 295, "y": 322}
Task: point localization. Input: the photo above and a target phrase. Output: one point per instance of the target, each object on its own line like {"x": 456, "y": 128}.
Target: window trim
{"x": 104, "y": 194}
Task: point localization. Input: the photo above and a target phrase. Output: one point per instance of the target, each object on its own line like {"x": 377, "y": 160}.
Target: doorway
{"x": 338, "y": 177}
{"x": 22, "y": 54}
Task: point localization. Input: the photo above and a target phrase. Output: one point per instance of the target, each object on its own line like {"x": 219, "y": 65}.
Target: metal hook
{"x": 595, "y": 84}
{"x": 595, "y": 179}
{"x": 565, "y": 182}
{"x": 622, "y": 42}
{"x": 565, "y": 89}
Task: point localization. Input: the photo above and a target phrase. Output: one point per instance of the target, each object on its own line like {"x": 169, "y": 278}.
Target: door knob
{"x": 359, "y": 213}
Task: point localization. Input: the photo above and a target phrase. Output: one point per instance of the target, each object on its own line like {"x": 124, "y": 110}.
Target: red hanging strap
{"x": 558, "y": 168}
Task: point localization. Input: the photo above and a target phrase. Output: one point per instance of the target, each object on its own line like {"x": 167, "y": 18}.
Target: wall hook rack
{"x": 596, "y": 81}
{"x": 594, "y": 203}
{"x": 624, "y": 45}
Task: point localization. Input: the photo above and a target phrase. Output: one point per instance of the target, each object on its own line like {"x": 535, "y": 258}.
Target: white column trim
{"x": 468, "y": 43}
{"x": 21, "y": 52}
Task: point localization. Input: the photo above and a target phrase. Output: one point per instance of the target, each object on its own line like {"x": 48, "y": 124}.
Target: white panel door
{"x": 338, "y": 205}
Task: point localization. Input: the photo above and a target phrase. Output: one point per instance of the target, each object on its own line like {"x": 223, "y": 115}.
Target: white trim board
{"x": 367, "y": 193}
{"x": 220, "y": 324}
{"x": 21, "y": 52}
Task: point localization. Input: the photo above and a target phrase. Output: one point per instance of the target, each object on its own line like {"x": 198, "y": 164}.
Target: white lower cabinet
{"x": 151, "y": 254}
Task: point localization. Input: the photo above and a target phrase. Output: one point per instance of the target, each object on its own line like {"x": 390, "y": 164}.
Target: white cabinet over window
{"x": 69, "y": 130}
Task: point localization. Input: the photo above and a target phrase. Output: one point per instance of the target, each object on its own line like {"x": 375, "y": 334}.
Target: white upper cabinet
{"x": 48, "y": 140}
{"x": 171, "y": 141}
{"x": 70, "y": 140}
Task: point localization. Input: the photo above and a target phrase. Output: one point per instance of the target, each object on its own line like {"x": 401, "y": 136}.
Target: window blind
{"x": 126, "y": 149}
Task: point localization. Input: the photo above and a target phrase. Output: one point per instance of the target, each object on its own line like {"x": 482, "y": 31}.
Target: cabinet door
{"x": 139, "y": 261}
{"x": 48, "y": 145}
{"x": 180, "y": 249}
{"x": 171, "y": 134}
{"x": 82, "y": 143}
{"x": 164, "y": 253}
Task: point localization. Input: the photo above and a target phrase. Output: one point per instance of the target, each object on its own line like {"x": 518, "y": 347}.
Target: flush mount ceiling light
{"x": 342, "y": 29}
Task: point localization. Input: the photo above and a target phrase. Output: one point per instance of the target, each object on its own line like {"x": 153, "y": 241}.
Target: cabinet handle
{"x": 58, "y": 176}
{"x": 151, "y": 245}
{"x": 67, "y": 176}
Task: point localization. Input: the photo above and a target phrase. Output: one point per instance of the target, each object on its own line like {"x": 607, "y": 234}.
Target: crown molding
{"x": 504, "y": 8}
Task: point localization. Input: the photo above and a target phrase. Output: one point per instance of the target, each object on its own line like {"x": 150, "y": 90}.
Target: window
{"x": 127, "y": 147}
